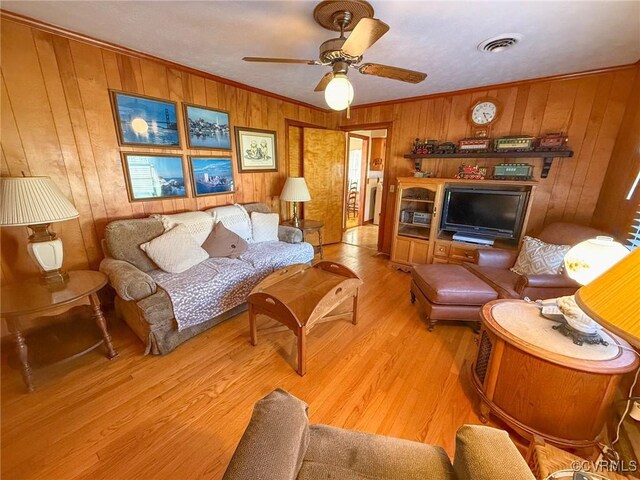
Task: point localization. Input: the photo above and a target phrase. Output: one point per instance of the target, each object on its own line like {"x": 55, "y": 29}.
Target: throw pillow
{"x": 235, "y": 218}
{"x": 198, "y": 223}
{"x": 264, "y": 226}
{"x": 175, "y": 251}
{"x": 539, "y": 258}
{"x": 222, "y": 242}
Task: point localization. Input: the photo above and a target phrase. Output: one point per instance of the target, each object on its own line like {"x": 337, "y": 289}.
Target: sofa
{"x": 492, "y": 265}
{"x": 149, "y": 299}
{"x": 280, "y": 444}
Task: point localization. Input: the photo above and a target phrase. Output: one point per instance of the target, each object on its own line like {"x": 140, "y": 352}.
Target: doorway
{"x": 365, "y": 158}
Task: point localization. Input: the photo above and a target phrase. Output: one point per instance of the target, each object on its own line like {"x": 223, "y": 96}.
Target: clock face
{"x": 484, "y": 113}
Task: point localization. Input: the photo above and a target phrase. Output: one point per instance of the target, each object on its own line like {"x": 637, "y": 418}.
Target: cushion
{"x": 501, "y": 280}
{"x": 264, "y": 227}
{"x": 265, "y": 257}
{"x": 274, "y": 443}
{"x": 339, "y": 454}
{"x": 539, "y": 258}
{"x": 123, "y": 239}
{"x": 198, "y": 223}
{"x": 451, "y": 285}
{"x": 222, "y": 242}
{"x": 235, "y": 218}
{"x": 175, "y": 251}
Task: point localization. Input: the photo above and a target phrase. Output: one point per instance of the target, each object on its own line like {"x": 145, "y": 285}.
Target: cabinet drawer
{"x": 440, "y": 260}
{"x": 462, "y": 253}
{"x": 441, "y": 249}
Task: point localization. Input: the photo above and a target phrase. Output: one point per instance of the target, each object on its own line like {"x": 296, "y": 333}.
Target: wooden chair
{"x": 352, "y": 200}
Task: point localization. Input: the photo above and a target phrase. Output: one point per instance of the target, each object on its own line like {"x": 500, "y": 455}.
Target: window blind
{"x": 634, "y": 232}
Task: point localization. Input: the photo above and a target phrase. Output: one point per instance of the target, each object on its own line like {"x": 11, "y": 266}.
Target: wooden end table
{"x": 539, "y": 382}
{"x": 31, "y": 297}
{"x": 309, "y": 226}
{"x": 301, "y": 296}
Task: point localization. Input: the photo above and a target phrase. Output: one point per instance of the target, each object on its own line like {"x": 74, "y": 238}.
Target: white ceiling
{"x": 439, "y": 38}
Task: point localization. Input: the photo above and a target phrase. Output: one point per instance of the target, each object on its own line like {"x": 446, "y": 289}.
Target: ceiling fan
{"x": 342, "y": 53}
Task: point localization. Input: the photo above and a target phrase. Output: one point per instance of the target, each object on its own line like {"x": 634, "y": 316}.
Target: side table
{"x": 539, "y": 382}
{"x": 31, "y": 297}
{"x": 309, "y": 226}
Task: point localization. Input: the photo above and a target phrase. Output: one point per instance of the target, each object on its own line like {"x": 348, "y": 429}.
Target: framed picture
{"x": 207, "y": 128}
{"x": 154, "y": 177}
{"x": 211, "y": 175}
{"x": 256, "y": 150}
{"x": 145, "y": 120}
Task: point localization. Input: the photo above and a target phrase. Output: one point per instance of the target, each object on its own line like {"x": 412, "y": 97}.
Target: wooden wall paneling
{"x": 11, "y": 142}
{"x": 614, "y": 213}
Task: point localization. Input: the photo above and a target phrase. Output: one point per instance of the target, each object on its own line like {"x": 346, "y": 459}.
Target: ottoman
{"x": 449, "y": 292}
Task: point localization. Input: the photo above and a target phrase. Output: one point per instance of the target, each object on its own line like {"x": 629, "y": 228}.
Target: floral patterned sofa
{"x": 166, "y": 309}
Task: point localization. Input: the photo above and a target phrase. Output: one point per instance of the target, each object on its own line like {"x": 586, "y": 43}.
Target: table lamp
{"x": 36, "y": 202}
{"x": 295, "y": 190}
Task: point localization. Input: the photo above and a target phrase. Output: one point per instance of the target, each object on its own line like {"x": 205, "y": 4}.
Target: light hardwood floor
{"x": 181, "y": 415}
{"x": 362, "y": 236}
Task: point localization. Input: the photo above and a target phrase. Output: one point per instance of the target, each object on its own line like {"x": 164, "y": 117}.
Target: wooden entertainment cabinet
{"x": 424, "y": 241}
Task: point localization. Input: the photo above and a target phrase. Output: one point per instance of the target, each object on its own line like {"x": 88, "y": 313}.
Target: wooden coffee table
{"x": 301, "y": 296}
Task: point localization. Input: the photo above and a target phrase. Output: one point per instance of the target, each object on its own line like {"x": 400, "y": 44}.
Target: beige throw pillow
{"x": 222, "y": 242}
{"x": 264, "y": 227}
{"x": 198, "y": 223}
{"x": 175, "y": 251}
{"x": 539, "y": 258}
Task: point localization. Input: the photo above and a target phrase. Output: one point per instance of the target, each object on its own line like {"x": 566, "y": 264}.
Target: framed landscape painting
{"x": 145, "y": 121}
{"x": 154, "y": 177}
{"x": 207, "y": 128}
{"x": 211, "y": 175}
{"x": 256, "y": 150}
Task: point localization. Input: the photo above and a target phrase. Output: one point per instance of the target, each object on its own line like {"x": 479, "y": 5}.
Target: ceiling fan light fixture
{"x": 339, "y": 92}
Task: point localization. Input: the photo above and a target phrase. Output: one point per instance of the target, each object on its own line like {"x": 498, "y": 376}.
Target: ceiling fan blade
{"x": 280, "y": 60}
{"x": 324, "y": 81}
{"x": 395, "y": 73}
{"x": 367, "y": 32}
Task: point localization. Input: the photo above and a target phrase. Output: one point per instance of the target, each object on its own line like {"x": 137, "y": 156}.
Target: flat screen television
{"x": 484, "y": 212}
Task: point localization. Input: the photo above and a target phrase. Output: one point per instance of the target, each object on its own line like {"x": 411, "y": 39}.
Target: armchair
{"x": 493, "y": 266}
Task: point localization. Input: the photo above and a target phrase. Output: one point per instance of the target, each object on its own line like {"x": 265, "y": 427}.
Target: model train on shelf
{"x": 516, "y": 143}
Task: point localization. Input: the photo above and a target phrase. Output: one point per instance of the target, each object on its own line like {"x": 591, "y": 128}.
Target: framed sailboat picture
{"x": 154, "y": 177}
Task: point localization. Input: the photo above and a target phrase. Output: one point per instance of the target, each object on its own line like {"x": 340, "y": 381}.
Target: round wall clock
{"x": 482, "y": 114}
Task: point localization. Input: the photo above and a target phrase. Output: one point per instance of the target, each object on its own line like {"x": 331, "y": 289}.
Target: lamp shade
{"x": 613, "y": 298}
{"x": 295, "y": 190}
{"x": 591, "y": 258}
{"x": 33, "y": 201}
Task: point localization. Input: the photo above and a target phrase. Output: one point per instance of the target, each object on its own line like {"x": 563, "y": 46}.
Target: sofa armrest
{"x": 275, "y": 441}
{"x": 129, "y": 282}
{"x": 485, "y": 453}
{"x": 289, "y": 234}
{"x": 545, "y": 281}
{"x": 495, "y": 257}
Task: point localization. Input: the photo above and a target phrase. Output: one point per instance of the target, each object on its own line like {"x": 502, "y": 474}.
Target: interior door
{"x": 323, "y": 169}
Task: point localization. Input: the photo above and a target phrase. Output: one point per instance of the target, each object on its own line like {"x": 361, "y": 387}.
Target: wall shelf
{"x": 547, "y": 156}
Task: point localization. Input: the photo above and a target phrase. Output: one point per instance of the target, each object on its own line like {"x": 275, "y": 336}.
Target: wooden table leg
{"x": 354, "y": 320}
{"x": 302, "y": 350}
{"x": 98, "y": 316}
{"x": 21, "y": 350}
{"x": 253, "y": 331}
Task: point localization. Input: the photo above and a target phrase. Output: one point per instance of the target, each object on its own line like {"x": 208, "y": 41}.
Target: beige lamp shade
{"x": 33, "y": 201}
{"x": 295, "y": 190}
{"x": 613, "y": 298}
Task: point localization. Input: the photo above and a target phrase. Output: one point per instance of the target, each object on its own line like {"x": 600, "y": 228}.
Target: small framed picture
{"x": 257, "y": 151}
{"x": 207, "y": 128}
{"x": 211, "y": 175}
{"x": 154, "y": 177}
{"x": 145, "y": 120}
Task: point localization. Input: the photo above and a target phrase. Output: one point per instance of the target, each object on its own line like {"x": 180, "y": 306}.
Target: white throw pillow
{"x": 234, "y": 218}
{"x": 539, "y": 258}
{"x": 199, "y": 224}
{"x": 175, "y": 251}
{"x": 264, "y": 226}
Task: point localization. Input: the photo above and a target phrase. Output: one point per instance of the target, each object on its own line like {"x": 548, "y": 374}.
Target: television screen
{"x": 495, "y": 213}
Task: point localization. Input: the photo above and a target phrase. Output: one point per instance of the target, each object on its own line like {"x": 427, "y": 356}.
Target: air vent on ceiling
{"x": 500, "y": 42}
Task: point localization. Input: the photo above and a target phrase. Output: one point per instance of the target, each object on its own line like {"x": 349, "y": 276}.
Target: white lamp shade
{"x": 591, "y": 258}
{"x": 295, "y": 190}
{"x": 33, "y": 201}
{"x": 339, "y": 92}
